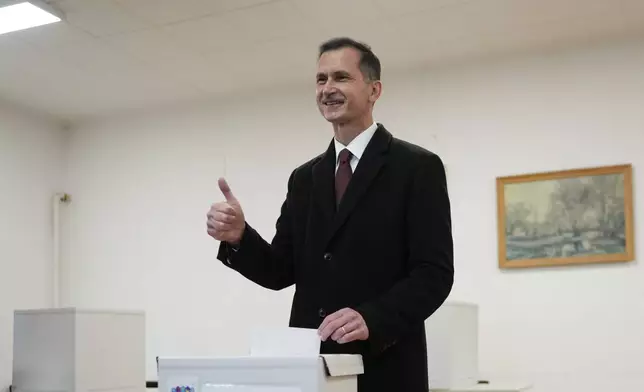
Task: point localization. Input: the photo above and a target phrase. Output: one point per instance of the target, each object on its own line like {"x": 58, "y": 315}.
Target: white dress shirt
{"x": 356, "y": 146}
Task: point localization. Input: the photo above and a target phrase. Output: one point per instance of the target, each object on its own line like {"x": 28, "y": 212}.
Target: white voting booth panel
{"x": 452, "y": 346}
{"x": 494, "y": 388}
{"x": 325, "y": 373}
{"x": 73, "y": 350}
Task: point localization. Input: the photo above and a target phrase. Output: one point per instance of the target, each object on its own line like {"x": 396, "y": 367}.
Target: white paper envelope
{"x": 285, "y": 342}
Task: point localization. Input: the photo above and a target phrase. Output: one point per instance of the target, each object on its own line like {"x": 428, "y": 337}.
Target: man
{"x": 364, "y": 232}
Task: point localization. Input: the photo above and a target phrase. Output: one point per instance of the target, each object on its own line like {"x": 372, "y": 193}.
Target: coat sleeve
{"x": 430, "y": 258}
{"x": 268, "y": 264}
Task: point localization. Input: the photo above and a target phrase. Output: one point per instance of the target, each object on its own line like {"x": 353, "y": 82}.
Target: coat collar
{"x": 358, "y": 144}
{"x": 368, "y": 168}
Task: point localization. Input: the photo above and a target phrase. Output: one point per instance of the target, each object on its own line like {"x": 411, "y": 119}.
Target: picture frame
{"x": 567, "y": 217}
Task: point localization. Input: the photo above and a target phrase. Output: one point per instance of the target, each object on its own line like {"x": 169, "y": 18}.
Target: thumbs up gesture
{"x": 226, "y": 220}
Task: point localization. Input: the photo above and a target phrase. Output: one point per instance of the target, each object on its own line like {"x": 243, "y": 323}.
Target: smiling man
{"x": 364, "y": 233}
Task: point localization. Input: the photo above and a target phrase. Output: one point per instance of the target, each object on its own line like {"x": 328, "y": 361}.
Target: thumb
{"x": 225, "y": 189}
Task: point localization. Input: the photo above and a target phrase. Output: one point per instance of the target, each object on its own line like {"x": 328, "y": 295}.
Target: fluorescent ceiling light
{"x": 24, "y": 15}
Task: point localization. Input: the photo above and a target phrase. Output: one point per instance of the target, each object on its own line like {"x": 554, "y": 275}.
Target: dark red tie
{"x": 343, "y": 175}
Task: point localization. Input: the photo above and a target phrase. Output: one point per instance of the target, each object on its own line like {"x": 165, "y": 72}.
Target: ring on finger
{"x": 344, "y": 330}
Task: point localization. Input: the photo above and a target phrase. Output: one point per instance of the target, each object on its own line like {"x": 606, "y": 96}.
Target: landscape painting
{"x": 567, "y": 217}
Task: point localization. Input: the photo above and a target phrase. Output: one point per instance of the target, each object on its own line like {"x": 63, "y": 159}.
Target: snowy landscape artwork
{"x": 566, "y": 217}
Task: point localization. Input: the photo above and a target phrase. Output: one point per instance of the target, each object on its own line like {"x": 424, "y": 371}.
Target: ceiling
{"x": 110, "y": 56}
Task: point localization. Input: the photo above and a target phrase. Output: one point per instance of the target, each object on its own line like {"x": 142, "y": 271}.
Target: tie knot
{"x": 345, "y": 156}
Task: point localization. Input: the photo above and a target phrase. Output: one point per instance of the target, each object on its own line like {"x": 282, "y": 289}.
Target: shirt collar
{"x": 358, "y": 144}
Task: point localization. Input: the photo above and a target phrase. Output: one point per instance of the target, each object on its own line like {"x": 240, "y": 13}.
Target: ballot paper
{"x": 284, "y": 342}
{"x": 247, "y": 388}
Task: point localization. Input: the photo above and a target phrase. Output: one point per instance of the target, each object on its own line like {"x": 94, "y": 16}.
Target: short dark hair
{"x": 369, "y": 62}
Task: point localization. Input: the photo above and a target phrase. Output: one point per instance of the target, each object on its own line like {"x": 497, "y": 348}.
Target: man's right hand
{"x": 226, "y": 220}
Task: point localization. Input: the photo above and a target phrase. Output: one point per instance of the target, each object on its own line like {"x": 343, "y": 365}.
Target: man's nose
{"x": 328, "y": 89}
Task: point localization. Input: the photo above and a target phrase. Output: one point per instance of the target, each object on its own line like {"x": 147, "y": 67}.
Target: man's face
{"x": 343, "y": 94}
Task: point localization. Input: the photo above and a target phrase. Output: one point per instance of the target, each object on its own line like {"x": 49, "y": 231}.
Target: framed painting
{"x": 566, "y": 217}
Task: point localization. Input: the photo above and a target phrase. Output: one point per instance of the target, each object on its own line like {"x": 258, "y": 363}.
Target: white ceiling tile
{"x": 361, "y": 20}
{"x": 407, "y": 7}
{"x": 469, "y": 22}
{"x": 206, "y": 34}
{"x": 276, "y": 64}
{"x": 101, "y": 17}
{"x": 516, "y": 25}
{"x": 16, "y": 53}
{"x": 160, "y": 53}
{"x": 465, "y": 19}
{"x": 74, "y": 6}
{"x": 259, "y": 23}
{"x": 218, "y": 80}
{"x": 230, "y": 5}
{"x": 92, "y": 55}
{"x": 55, "y": 34}
{"x": 332, "y": 14}
{"x": 161, "y": 12}
{"x": 282, "y": 54}
{"x": 268, "y": 21}
{"x": 375, "y": 38}
{"x": 153, "y": 44}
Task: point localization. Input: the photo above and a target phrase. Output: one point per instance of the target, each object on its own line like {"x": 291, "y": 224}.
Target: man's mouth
{"x": 333, "y": 102}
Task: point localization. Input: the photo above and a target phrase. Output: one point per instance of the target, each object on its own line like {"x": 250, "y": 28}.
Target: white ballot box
{"x": 73, "y": 350}
{"x": 323, "y": 373}
{"x": 279, "y": 360}
{"x": 452, "y": 346}
{"x": 494, "y": 388}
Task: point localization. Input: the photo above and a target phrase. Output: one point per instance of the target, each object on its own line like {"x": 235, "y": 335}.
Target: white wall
{"x": 31, "y": 163}
{"x": 142, "y": 186}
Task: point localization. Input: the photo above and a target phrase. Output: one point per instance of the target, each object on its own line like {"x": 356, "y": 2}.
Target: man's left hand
{"x": 344, "y": 326}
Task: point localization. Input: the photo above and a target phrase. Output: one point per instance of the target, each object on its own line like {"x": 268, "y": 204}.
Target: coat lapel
{"x": 368, "y": 168}
{"x": 324, "y": 189}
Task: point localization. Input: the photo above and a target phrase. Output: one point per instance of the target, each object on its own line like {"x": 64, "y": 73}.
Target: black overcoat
{"x": 386, "y": 252}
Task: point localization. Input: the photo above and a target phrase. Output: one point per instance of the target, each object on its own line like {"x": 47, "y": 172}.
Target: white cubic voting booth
{"x": 73, "y": 350}
{"x": 452, "y": 346}
{"x": 452, "y": 351}
{"x": 494, "y": 388}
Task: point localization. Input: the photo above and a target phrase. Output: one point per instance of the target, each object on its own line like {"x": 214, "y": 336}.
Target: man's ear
{"x": 376, "y": 90}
